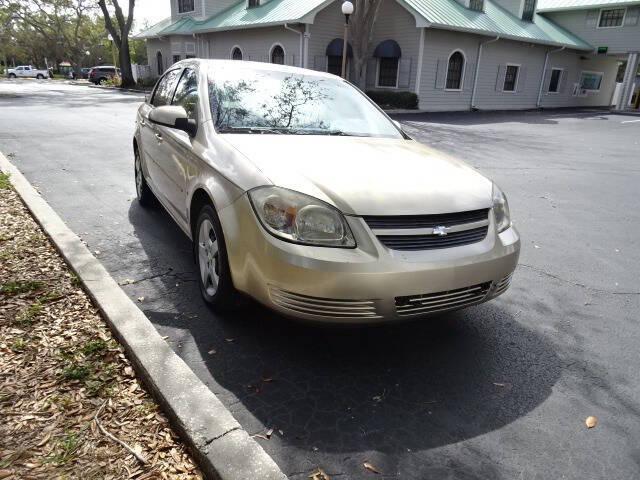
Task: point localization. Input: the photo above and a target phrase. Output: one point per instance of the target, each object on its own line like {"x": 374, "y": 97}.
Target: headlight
{"x": 299, "y": 218}
{"x": 501, "y": 209}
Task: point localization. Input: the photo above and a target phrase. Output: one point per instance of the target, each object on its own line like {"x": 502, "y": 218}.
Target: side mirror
{"x": 173, "y": 117}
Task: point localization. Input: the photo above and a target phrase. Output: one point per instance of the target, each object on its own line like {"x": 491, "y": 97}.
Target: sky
{"x": 150, "y": 10}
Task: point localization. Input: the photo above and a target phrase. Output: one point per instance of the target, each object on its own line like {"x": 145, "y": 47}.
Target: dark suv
{"x": 100, "y": 75}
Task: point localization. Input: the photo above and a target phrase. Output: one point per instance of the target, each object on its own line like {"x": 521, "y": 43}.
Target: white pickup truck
{"x": 27, "y": 71}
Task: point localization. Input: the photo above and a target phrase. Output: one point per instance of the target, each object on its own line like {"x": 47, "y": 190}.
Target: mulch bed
{"x": 70, "y": 404}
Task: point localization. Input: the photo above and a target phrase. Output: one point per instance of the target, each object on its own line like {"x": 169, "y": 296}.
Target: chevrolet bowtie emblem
{"x": 440, "y": 230}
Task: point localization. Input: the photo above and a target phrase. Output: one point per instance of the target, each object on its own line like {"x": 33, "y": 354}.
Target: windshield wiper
{"x": 258, "y": 130}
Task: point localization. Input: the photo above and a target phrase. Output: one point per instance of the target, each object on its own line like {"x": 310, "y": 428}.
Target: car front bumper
{"x": 366, "y": 284}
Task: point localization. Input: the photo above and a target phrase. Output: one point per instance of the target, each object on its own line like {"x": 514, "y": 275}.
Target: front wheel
{"x": 143, "y": 192}
{"x": 102, "y": 81}
{"x": 210, "y": 253}
{"x": 12, "y": 75}
{"x": 40, "y": 76}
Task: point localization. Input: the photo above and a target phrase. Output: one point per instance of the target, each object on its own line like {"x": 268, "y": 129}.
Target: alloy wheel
{"x": 208, "y": 257}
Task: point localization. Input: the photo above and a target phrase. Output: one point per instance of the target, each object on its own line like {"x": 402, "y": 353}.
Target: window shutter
{"x": 500, "y": 78}
{"x": 404, "y": 73}
{"x": 591, "y": 20}
{"x": 441, "y": 73}
{"x": 320, "y": 63}
{"x": 522, "y": 79}
{"x": 372, "y": 67}
{"x": 632, "y": 16}
{"x": 563, "y": 81}
{"x": 469, "y": 72}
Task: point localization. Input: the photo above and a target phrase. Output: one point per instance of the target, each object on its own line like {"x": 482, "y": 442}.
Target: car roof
{"x": 255, "y": 66}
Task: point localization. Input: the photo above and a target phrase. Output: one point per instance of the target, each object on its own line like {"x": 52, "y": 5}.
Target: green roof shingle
{"x": 444, "y": 14}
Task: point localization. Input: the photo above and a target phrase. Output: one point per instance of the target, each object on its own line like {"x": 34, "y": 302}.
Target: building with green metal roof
{"x": 454, "y": 54}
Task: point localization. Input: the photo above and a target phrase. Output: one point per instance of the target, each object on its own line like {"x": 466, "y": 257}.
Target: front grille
{"x": 429, "y": 242}
{"x": 426, "y": 221}
{"x": 441, "y": 301}
{"x": 324, "y": 307}
{"x": 415, "y": 232}
{"x": 502, "y": 285}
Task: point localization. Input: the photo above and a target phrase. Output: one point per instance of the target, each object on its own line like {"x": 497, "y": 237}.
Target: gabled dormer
{"x": 475, "y": 5}
{"x": 522, "y": 9}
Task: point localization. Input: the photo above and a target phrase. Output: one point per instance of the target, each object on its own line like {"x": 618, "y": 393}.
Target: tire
{"x": 210, "y": 253}
{"x": 40, "y": 76}
{"x": 12, "y": 75}
{"x": 146, "y": 198}
{"x": 102, "y": 81}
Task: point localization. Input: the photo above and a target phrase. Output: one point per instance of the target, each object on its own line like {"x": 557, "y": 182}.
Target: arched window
{"x": 236, "y": 53}
{"x": 388, "y": 54}
{"x": 277, "y": 55}
{"x": 159, "y": 61}
{"x": 455, "y": 71}
{"x": 334, "y": 56}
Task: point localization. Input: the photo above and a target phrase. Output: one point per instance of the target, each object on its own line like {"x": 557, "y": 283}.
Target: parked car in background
{"x": 84, "y": 72}
{"x": 27, "y": 71}
{"x": 300, "y": 192}
{"x": 101, "y": 74}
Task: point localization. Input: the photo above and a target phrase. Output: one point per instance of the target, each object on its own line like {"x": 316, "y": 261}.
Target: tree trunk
{"x": 125, "y": 64}
{"x": 362, "y": 23}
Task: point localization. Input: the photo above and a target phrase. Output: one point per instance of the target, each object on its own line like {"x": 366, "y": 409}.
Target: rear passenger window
{"x": 186, "y": 94}
{"x": 166, "y": 87}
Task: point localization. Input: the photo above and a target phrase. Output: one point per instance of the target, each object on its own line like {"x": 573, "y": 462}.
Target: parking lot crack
{"x": 211, "y": 440}
{"x": 575, "y": 284}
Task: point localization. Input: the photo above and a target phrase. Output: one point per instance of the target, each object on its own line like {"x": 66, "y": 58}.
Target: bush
{"x": 392, "y": 99}
{"x": 114, "y": 81}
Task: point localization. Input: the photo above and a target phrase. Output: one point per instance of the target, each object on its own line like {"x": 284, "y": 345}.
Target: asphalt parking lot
{"x": 497, "y": 391}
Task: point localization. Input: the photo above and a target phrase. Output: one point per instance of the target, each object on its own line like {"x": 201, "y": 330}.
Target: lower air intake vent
{"x": 441, "y": 301}
{"x": 324, "y": 307}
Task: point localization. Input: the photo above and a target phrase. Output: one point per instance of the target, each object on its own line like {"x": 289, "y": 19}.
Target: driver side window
{"x": 164, "y": 91}
{"x": 186, "y": 95}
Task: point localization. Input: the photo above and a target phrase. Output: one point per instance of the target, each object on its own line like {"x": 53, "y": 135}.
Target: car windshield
{"x": 247, "y": 100}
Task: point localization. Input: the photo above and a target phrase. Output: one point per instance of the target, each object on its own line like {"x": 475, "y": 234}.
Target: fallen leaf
{"x": 212, "y": 351}
{"x": 591, "y": 422}
{"x": 499, "y": 384}
{"x": 319, "y": 474}
{"x": 370, "y": 467}
{"x": 230, "y": 340}
{"x": 269, "y": 433}
{"x": 141, "y": 299}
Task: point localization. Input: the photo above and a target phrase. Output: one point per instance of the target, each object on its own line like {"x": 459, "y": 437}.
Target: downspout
{"x": 305, "y": 63}
{"x": 544, "y": 73}
{"x": 475, "y": 75}
{"x": 295, "y": 30}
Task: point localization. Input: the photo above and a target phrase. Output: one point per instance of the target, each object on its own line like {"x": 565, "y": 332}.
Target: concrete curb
{"x": 117, "y": 89}
{"x": 221, "y": 447}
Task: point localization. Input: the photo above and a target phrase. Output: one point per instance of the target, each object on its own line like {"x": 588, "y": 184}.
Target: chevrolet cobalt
{"x": 300, "y": 192}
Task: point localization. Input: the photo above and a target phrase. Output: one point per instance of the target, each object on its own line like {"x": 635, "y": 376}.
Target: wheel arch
{"x": 199, "y": 199}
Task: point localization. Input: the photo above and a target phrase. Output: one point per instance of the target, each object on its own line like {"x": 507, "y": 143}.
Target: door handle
{"x": 142, "y": 123}
{"x": 159, "y": 137}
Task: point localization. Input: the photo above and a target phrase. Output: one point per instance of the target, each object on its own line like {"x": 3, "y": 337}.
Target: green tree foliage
{"x": 51, "y": 31}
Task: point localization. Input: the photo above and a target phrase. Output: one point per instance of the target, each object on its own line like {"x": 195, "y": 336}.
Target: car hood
{"x": 367, "y": 176}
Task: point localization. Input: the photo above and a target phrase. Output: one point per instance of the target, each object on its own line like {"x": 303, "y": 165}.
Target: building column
{"x": 627, "y": 81}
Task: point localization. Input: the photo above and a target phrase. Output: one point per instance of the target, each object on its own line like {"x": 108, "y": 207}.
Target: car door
{"x": 178, "y": 159}
{"x": 152, "y": 142}
{"x": 26, "y": 72}
{"x": 20, "y": 72}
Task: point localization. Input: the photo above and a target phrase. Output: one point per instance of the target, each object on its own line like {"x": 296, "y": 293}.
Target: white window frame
{"x": 277, "y": 44}
{"x": 189, "y": 48}
{"x": 174, "y": 50}
{"x": 593, "y": 72}
{"x": 504, "y": 78}
{"x": 624, "y": 17}
{"x": 378, "y": 76}
{"x": 549, "y": 92}
{"x": 241, "y": 52}
{"x": 464, "y": 71}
